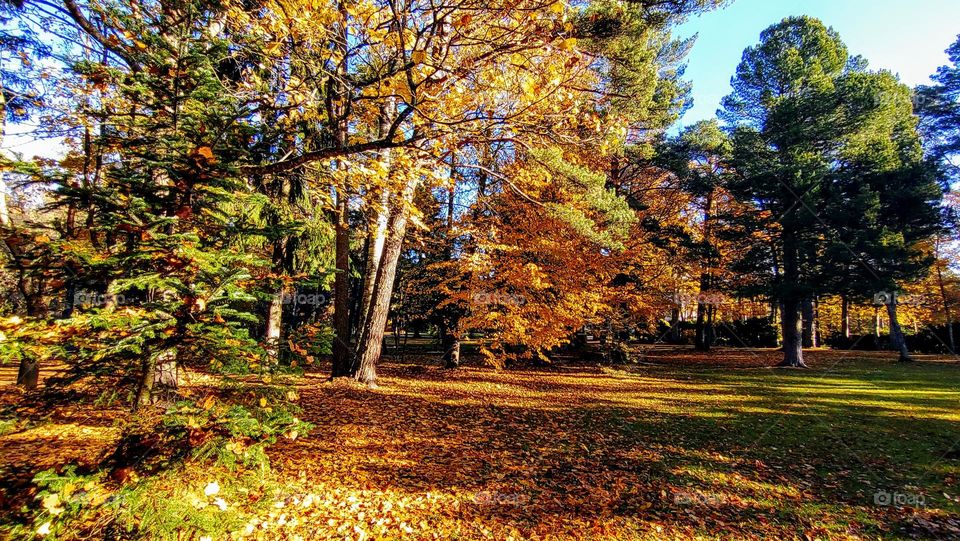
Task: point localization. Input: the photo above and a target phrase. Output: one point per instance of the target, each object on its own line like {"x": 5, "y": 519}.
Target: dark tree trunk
{"x": 451, "y": 350}
{"x": 792, "y": 323}
{"x": 946, "y": 309}
{"x": 897, "y": 341}
{"x": 69, "y": 299}
{"x": 28, "y": 375}
{"x": 342, "y": 361}
{"x": 700, "y": 341}
{"x": 342, "y": 365}
{"x": 792, "y": 334}
{"x": 845, "y": 316}
{"x": 711, "y": 326}
{"x": 809, "y": 324}
{"x": 675, "y": 334}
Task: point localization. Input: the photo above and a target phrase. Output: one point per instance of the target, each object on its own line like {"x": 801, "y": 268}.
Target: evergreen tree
{"x": 783, "y": 111}
{"x": 883, "y": 199}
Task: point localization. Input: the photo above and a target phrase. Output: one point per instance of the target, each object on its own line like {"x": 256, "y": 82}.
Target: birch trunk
{"x": 274, "y": 324}
{"x": 377, "y": 226}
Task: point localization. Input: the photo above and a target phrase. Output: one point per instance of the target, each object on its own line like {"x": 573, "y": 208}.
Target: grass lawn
{"x": 681, "y": 446}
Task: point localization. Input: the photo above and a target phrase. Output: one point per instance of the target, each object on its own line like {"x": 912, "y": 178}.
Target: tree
{"x": 884, "y": 199}
{"x": 783, "y": 110}
{"x": 705, "y": 151}
{"x": 938, "y": 106}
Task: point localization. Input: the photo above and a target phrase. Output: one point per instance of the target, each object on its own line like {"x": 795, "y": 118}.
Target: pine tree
{"x": 783, "y": 109}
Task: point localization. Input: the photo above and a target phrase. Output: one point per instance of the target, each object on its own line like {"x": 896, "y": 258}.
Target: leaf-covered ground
{"x": 681, "y": 446}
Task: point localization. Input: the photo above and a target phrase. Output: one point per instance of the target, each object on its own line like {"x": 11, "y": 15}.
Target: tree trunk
{"x": 700, "y": 340}
{"x": 792, "y": 323}
{"x": 274, "y": 324}
{"x": 946, "y": 308}
{"x": 809, "y": 324}
{"x": 451, "y": 336}
{"x": 342, "y": 362}
{"x": 897, "y": 341}
{"x": 159, "y": 378}
{"x": 29, "y": 373}
{"x": 376, "y": 225}
{"x": 675, "y": 325}
{"x": 451, "y": 349}
{"x": 4, "y": 213}
{"x": 792, "y": 334}
{"x": 876, "y": 326}
{"x": 377, "y": 237}
{"x": 711, "y": 326}
{"x": 69, "y": 298}
{"x": 370, "y": 344}
{"x": 845, "y": 316}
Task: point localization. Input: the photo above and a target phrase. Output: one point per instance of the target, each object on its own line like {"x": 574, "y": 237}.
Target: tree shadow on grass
{"x": 538, "y": 452}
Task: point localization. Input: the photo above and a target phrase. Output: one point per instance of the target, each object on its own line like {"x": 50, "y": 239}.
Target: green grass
{"x": 822, "y": 446}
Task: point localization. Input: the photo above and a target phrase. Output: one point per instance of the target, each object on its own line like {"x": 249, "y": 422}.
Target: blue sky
{"x": 907, "y": 37}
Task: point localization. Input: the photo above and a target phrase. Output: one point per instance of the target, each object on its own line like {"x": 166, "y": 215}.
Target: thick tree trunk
{"x": 377, "y": 237}
{"x": 792, "y": 334}
{"x": 158, "y": 379}
{"x": 342, "y": 361}
{"x": 809, "y": 323}
{"x": 370, "y": 344}
{"x": 451, "y": 350}
{"x": 69, "y": 298}
{"x": 675, "y": 334}
{"x": 711, "y": 326}
{"x": 792, "y": 324}
{"x": 377, "y": 224}
{"x": 897, "y": 341}
{"x": 700, "y": 340}
{"x": 28, "y": 375}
